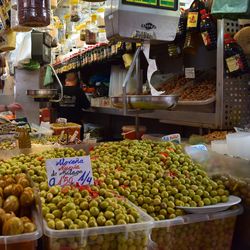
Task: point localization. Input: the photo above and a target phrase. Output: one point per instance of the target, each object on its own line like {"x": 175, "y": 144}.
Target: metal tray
{"x": 147, "y": 102}
{"x": 42, "y": 93}
{"x": 198, "y": 102}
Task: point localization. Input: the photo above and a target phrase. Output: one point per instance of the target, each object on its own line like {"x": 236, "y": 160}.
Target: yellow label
{"x": 74, "y": 2}
{"x": 234, "y": 63}
{"x": 192, "y": 19}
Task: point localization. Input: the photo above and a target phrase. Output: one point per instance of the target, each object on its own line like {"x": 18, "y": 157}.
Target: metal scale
{"x": 144, "y": 21}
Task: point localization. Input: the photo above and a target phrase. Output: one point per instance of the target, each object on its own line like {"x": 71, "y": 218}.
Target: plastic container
{"x": 196, "y": 231}
{"x": 34, "y": 13}
{"x": 28, "y": 241}
{"x": 219, "y": 146}
{"x": 129, "y": 132}
{"x": 68, "y": 128}
{"x": 136, "y": 236}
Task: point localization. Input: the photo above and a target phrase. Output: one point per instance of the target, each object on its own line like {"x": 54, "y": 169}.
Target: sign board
{"x": 173, "y": 138}
{"x": 189, "y": 73}
{"x": 160, "y": 4}
{"x": 69, "y": 171}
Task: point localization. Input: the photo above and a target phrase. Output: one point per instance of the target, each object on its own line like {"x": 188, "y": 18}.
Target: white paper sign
{"x": 190, "y": 73}
{"x": 173, "y": 138}
{"x": 69, "y": 171}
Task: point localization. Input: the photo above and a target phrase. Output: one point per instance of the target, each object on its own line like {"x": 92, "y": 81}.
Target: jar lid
{"x": 100, "y": 10}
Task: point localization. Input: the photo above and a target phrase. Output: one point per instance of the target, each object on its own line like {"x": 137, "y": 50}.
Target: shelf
{"x": 206, "y": 120}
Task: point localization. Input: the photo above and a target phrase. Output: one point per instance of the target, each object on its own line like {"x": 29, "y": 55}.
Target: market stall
{"x": 83, "y": 70}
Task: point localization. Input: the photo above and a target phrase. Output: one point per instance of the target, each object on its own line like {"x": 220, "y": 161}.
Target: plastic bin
{"x": 28, "y": 241}
{"x": 196, "y": 231}
{"x": 69, "y": 128}
{"x": 117, "y": 237}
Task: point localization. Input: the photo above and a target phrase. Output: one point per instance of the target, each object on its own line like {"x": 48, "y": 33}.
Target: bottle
{"x": 208, "y": 30}
{"x": 234, "y": 58}
{"x": 34, "y": 13}
{"x": 182, "y": 27}
{"x": 193, "y": 22}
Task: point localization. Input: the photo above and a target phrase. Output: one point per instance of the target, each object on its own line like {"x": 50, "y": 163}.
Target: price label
{"x": 197, "y": 152}
{"x": 190, "y": 73}
{"x": 173, "y": 138}
{"x": 69, "y": 171}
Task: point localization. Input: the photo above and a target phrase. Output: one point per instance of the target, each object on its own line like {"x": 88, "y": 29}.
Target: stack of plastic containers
{"x": 196, "y": 231}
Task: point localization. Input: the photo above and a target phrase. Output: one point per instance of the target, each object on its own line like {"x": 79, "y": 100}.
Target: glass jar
{"x": 91, "y": 31}
{"x": 75, "y": 11}
{"x": 100, "y": 18}
{"x": 34, "y": 13}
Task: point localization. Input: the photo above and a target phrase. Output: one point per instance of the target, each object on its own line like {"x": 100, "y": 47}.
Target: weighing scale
{"x": 145, "y": 21}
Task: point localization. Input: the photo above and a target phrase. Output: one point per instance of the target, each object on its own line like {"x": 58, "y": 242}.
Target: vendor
{"x": 13, "y": 107}
{"x": 74, "y": 100}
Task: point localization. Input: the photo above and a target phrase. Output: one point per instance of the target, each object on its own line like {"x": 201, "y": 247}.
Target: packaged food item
{"x": 102, "y": 38}
{"x": 34, "y": 13}
{"x": 208, "y": 30}
{"x": 91, "y": 31}
{"x": 100, "y": 18}
{"x": 53, "y": 4}
{"x": 83, "y": 32}
{"x": 234, "y": 58}
{"x": 75, "y": 11}
{"x": 193, "y": 22}
{"x": 15, "y": 26}
{"x": 8, "y": 41}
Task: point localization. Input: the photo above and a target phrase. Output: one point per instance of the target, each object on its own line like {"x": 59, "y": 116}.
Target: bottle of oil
{"x": 193, "y": 22}
{"x": 234, "y": 58}
{"x": 208, "y": 30}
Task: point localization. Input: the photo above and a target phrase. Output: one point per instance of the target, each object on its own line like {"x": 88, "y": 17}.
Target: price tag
{"x": 197, "y": 152}
{"x": 190, "y": 73}
{"x": 173, "y": 138}
{"x": 69, "y": 171}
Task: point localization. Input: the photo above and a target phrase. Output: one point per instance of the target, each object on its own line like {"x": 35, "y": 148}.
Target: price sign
{"x": 173, "y": 138}
{"x": 197, "y": 152}
{"x": 189, "y": 73}
{"x": 69, "y": 171}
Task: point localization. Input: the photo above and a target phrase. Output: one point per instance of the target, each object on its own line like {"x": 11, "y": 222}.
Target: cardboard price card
{"x": 69, "y": 171}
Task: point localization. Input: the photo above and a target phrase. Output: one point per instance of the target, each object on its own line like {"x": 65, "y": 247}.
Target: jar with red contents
{"x": 234, "y": 58}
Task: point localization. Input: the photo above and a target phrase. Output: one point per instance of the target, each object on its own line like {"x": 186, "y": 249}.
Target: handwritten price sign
{"x": 69, "y": 171}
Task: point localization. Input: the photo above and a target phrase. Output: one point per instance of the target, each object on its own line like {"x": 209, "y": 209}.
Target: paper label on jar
{"x": 206, "y": 38}
{"x": 173, "y": 138}
{"x": 192, "y": 19}
{"x": 234, "y": 63}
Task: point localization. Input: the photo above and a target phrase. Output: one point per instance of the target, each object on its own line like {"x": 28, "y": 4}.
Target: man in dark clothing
{"x": 74, "y": 100}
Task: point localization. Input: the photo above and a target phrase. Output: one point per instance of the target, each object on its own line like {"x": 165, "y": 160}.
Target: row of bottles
{"x": 96, "y": 54}
{"x": 197, "y": 21}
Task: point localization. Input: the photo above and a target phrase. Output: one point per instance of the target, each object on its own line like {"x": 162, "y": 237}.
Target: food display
{"x": 215, "y": 135}
{"x": 87, "y": 208}
{"x": 17, "y": 200}
{"x": 236, "y": 186}
{"x": 197, "y": 232}
{"x": 173, "y": 85}
{"x": 199, "y": 91}
{"x": 156, "y": 176}
{"x": 7, "y": 145}
{"x": 34, "y": 164}
{"x": 68, "y": 128}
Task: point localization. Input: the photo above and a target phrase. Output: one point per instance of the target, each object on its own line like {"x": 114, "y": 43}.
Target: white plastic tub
{"x": 196, "y": 231}
{"x": 117, "y": 237}
{"x": 27, "y": 241}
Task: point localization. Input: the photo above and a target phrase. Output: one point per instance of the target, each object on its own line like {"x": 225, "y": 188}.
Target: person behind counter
{"x": 74, "y": 100}
{"x": 11, "y": 107}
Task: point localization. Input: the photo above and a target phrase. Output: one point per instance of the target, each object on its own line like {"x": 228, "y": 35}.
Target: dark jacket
{"x": 73, "y": 102}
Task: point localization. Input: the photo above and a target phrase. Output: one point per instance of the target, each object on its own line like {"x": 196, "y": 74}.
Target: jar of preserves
{"x": 34, "y": 13}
